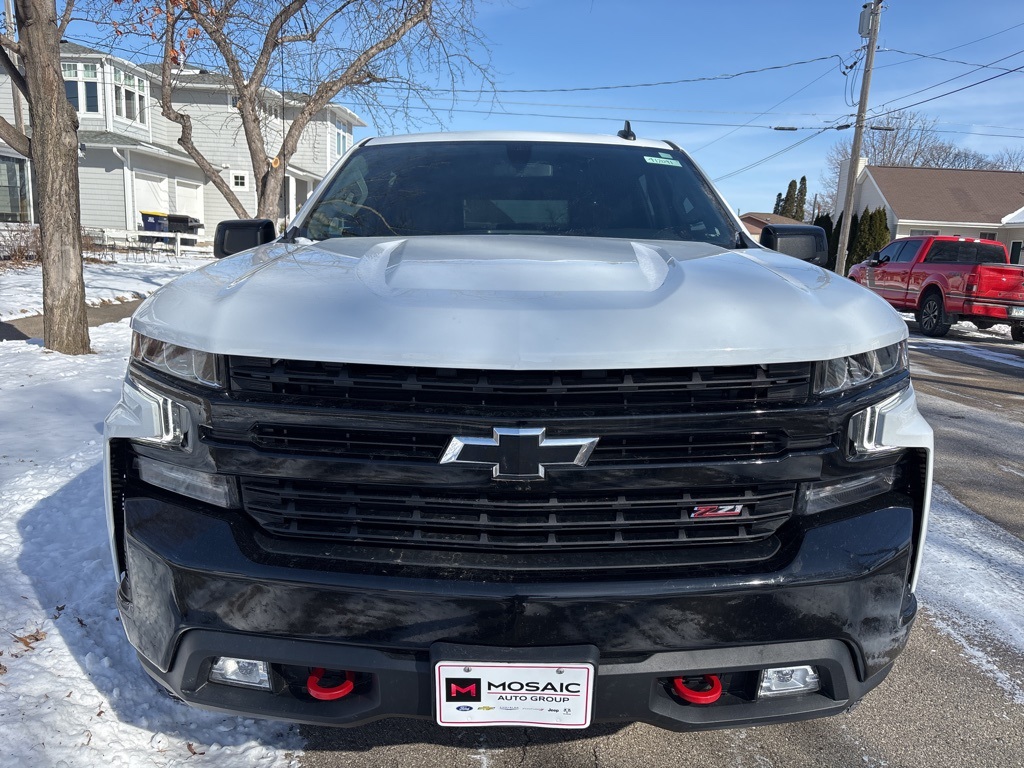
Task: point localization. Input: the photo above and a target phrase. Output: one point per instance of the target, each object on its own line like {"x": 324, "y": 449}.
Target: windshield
{"x": 495, "y": 187}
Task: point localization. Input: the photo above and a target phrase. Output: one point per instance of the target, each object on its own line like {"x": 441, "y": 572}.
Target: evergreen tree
{"x": 855, "y": 228}
{"x": 799, "y": 209}
{"x": 863, "y": 245}
{"x": 833, "y": 241}
{"x": 789, "y": 202}
{"x": 824, "y": 221}
{"x": 879, "y": 233}
{"x": 778, "y": 204}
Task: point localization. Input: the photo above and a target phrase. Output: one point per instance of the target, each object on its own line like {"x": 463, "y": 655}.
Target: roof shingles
{"x": 945, "y": 194}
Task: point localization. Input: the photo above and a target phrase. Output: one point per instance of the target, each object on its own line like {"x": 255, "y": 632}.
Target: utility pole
{"x": 872, "y": 14}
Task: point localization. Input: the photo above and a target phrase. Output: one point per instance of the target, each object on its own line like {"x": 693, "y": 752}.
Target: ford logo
{"x": 463, "y": 708}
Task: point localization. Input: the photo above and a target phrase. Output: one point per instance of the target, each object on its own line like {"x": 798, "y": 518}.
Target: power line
{"x": 947, "y": 93}
{"x": 772, "y": 156}
{"x": 762, "y": 114}
{"x": 705, "y": 79}
{"x": 951, "y": 79}
{"x": 622, "y": 108}
{"x": 961, "y": 45}
{"x": 508, "y": 113}
{"x": 935, "y": 58}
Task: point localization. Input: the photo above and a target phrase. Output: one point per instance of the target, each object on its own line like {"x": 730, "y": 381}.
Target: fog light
{"x": 838, "y": 493}
{"x": 787, "y": 681}
{"x": 220, "y": 490}
{"x": 244, "y": 672}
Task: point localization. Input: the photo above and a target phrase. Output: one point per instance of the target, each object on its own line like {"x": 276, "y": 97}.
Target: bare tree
{"x": 378, "y": 53}
{"x": 53, "y": 151}
{"x": 1009, "y": 159}
{"x": 910, "y": 140}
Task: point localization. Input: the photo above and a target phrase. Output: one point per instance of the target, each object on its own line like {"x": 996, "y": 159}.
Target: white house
{"x": 130, "y": 161}
{"x": 945, "y": 201}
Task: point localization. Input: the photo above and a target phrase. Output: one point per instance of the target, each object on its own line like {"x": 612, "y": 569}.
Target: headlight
{"x": 181, "y": 362}
{"x": 845, "y": 373}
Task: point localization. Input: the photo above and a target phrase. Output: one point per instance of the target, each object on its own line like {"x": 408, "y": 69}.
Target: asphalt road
{"x": 936, "y": 709}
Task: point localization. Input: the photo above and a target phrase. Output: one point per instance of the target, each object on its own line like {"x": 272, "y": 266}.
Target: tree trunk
{"x": 55, "y": 162}
{"x": 270, "y": 195}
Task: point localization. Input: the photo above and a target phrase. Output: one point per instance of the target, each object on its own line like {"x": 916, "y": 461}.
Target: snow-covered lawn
{"x": 72, "y": 692}
{"x": 128, "y": 278}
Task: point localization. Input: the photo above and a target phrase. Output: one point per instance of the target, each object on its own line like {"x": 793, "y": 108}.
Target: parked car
{"x": 517, "y": 429}
{"x": 946, "y": 279}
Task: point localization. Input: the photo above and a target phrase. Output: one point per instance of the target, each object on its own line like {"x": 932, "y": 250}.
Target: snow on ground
{"x": 972, "y": 583}
{"x": 73, "y": 692}
{"x": 129, "y": 278}
{"x": 71, "y": 689}
{"x": 967, "y": 333}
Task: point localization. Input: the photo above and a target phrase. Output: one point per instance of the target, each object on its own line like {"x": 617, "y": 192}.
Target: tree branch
{"x": 311, "y": 35}
{"x": 357, "y": 72}
{"x": 17, "y": 140}
{"x": 185, "y": 121}
{"x": 11, "y": 45}
{"x": 65, "y": 18}
{"x": 12, "y": 72}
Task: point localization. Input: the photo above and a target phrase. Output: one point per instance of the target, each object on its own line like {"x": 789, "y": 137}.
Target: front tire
{"x": 932, "y": 316}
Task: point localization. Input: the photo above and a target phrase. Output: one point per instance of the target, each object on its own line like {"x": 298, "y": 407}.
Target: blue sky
{"x": 543, "y": 44}
{"x": 575, "y": 44}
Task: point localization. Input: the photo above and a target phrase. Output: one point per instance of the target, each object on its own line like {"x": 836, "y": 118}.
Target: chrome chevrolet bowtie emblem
{"x": 519, "y": 454}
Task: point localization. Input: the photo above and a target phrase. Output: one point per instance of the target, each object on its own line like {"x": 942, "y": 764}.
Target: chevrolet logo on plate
{"x": 519, "y": 454}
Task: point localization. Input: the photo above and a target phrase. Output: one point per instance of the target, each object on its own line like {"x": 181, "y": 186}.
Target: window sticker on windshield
{"x": 665, "y": 154}
{"x": 663, "y": 161}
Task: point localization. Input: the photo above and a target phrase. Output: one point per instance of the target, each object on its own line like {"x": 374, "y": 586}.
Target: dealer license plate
{"x": 494, "y": 693}
{"x": 1016, "y": 312}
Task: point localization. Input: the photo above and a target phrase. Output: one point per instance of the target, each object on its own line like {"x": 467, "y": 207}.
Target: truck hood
{"x": 519, "y": 302}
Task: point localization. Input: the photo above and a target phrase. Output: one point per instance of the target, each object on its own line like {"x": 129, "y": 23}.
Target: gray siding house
{"x": 945, "y": 201}
{"x": 129, "y": 159}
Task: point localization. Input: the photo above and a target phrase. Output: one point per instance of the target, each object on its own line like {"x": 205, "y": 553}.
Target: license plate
{"x": 496, "y": 693}
{"x": 1016, "y": 312}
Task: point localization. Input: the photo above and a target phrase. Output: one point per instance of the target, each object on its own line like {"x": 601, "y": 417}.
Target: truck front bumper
{"x": 196, "y": 589}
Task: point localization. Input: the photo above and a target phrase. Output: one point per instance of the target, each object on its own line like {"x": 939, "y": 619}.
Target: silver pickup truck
{"x": 516, "y": 429}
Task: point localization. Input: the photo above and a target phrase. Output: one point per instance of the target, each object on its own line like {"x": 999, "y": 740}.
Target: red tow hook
{"x": 710, "y": 696}
{"x": 340, "y": 691}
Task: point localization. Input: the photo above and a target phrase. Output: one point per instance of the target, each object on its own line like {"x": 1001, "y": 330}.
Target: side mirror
{"x": 804, "y": 242}
{"x": 237, "y": 235}
{"x": 874, "y": 260}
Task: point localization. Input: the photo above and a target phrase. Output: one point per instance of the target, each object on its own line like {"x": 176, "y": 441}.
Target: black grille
{"x": 674, "y": 389}
{"x": 496, "y": 522}
{"x": 427, "y": 447}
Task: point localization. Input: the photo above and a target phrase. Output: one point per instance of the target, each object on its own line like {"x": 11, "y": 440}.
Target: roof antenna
{"x": 627, "y": 133}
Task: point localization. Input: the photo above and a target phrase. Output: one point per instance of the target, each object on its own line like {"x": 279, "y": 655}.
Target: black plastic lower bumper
{"x": 629, "y": 691}
{"x": 195, "y": 592}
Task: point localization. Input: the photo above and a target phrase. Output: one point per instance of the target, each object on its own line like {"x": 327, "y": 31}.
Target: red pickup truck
{"x": 946, "y": 279}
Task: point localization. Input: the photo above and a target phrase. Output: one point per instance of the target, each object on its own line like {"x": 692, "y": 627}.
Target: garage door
{"x": 189, "y": 199}
{"x": 151, "y": 193}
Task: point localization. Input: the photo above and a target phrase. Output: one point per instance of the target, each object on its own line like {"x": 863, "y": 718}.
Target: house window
{"x": 240, "y": 182}
{"x": 233, "y": 102}
{"x": 914, "y": 232}
{"x": 340, "y": 137}
{"x": 13, "y": 190}
{"x": 987, "y": 236}
{"x": 129, "y": 96}
{"x": 81, "y": 87}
